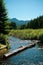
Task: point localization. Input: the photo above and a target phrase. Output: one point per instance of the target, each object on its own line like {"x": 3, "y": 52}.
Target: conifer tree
{"x": 3, "y": 16}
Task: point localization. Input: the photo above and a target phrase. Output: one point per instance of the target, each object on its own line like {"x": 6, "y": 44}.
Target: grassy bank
{"x": 4, "y": 41}
{"x": 28, "y": 34}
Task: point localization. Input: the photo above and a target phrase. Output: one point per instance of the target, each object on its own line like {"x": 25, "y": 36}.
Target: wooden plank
{"x": 18, "y": 50}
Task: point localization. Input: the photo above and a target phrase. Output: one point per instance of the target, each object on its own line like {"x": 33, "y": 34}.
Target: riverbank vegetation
{"x": 31, "y": 34}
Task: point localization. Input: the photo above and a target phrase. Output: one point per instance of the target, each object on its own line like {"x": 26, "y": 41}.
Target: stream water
{"x": 31, "y": 56}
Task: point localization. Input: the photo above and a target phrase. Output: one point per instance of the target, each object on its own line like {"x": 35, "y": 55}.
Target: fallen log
{"x": 18, "y": 50}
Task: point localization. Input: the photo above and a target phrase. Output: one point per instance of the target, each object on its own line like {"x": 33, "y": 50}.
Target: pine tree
{"x": 3, "y": 16}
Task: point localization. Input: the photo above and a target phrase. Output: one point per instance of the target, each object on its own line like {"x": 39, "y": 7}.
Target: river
{"x": 31, "y": 56}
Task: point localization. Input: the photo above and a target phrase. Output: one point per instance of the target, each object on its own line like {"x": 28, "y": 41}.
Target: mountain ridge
{"x": 19, "y": 22}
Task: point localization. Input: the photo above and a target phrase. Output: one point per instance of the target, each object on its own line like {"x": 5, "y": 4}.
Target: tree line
{"x": 36, "y": 23}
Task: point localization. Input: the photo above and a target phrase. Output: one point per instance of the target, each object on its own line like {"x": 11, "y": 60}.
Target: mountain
{"x": 19, "y": 22}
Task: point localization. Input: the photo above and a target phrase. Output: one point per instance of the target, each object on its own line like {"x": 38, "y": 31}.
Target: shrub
{"x": 8, "y": 45}
{"x": 2, "y": 39}
{"x": 41, "y": 38}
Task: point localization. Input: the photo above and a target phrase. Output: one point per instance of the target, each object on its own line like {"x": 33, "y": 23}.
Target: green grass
{"x": 28, "y": 34}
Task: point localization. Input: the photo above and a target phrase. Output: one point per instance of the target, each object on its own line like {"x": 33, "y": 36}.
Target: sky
{"x": 24, "y": 9}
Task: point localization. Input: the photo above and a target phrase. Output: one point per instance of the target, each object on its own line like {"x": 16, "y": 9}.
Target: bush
{"x": 8, "y": 45}
{"x": 41, "y": 38}
{"x": 2, "y": 39}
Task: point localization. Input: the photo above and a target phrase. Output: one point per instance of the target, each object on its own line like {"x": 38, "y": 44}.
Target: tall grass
{"x": 28, "y": 34}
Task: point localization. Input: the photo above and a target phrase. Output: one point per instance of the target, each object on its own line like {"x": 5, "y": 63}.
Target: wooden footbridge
{"x": 19, "y": 49}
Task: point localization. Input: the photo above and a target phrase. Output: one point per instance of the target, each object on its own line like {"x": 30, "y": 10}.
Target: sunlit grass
{"x": 27, "y": 33}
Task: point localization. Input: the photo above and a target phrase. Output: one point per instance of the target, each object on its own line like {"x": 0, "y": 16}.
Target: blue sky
{"x": 24, "y": 9}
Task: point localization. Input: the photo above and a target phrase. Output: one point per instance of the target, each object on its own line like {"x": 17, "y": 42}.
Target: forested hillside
{"x": 36, "y": 23}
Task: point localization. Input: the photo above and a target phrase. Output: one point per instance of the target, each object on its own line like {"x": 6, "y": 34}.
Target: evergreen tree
{"x": 13, "y": 25}
{"x": 3, "y": 16}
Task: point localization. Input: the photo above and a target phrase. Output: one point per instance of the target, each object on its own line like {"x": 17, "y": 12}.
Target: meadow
{"x": 36, "y": 34}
